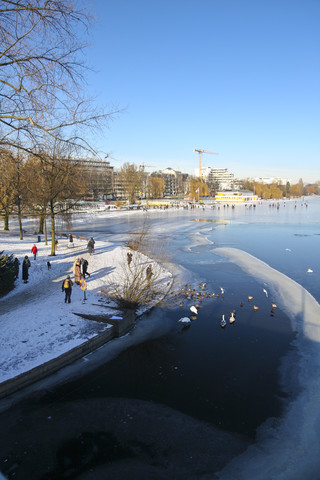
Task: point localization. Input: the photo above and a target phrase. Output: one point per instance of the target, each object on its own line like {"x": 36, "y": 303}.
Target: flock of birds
{"x": 190, "y": 293}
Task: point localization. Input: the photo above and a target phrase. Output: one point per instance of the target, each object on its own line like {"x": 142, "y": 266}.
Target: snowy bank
{"x": 37, "y": 326}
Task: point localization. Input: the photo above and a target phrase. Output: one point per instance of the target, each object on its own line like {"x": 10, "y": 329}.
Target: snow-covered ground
{"x": 36, "y": 325}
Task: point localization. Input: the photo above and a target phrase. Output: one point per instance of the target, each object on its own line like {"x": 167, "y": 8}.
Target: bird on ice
{"x": 185, "y": 320}
{"x": 309, "y": 270}
{"x": 265, "y": 291}
{"x": 250, "y": 298}
{"x": 193, "y": 309}
{"x": 255, "y": 308}
{"x": 222, "y": 290}
{"x": 273, "y": 305}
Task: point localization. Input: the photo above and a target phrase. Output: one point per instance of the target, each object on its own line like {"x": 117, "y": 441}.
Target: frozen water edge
{"x": 288, "y": 450}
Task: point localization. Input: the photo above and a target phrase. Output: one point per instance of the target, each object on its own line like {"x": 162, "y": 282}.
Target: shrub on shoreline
{"x": 9, "y": 270}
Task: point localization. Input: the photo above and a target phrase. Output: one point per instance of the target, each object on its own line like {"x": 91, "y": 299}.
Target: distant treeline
{"x": 276, "y": 190}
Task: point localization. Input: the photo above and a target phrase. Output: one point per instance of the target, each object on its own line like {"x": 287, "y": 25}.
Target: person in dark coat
{"x": 25, "y": 269}
{"x": 149, "y": 272}
{"x": 90, "y": 246}
{"x": 67, "y": 289}
{"x": 70, "y": 244}
{"x": 85, "y": 264}
{"x": 16, "y": 264}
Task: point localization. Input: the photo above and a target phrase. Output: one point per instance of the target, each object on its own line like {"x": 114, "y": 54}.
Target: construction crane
{"x": 200, "y": 152}
{"x": 143, "y": 166}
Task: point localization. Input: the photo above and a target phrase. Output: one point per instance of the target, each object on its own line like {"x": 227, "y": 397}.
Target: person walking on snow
{"x": 90, "y": 246}
{"x": 84, "y": 264}
{"x": 83, "y": 286}
{"x": 70, "y": 244}
{"x": 16, "y": 265}
{"x": 67, "y": 289}
{"x": 129, "y": 258}
{"x": 77, "y": 271}
{"x": 34, "y": 250}
{"x": 149, "y": 272}
{"x": 25, "y": 269}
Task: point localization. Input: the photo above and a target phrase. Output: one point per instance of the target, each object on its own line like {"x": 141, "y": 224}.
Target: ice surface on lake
{"x": 287, "y": 449}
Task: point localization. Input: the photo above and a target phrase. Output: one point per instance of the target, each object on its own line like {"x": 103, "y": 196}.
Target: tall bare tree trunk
{"x": 41, "y": 223}
{"x": 53, "y": 230}
{"x": 20, "y": 218}
{"x": 45, "y": 231}
{"x": 6, "y": 221}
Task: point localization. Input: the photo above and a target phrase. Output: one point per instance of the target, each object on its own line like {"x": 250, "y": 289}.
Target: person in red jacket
{"x": 34, "y": 250}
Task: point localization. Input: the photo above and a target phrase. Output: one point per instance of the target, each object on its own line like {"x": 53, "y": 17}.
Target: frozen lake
{"x": 258, "y": 377}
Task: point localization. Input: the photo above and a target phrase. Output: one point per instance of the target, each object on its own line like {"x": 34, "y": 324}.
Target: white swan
{"x": 223, "y": 323}
{"x": 193, "y": 309}
{"x": 232, "y": 318}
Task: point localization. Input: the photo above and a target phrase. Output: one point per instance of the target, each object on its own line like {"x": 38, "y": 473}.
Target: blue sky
{"x": 236, "y": 77}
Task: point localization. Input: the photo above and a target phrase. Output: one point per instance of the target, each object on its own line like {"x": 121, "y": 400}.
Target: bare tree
{"x": 41, "y": 73}
{"x": 142, "y": 281}
{"x": 130, "y": 179}
{"x": 7, "y": 192}
{"x": 55, "y": 183}
{"x": 12, "y": 186}
{"x": 156, "y": 186}
{"x": 197, "y": 188}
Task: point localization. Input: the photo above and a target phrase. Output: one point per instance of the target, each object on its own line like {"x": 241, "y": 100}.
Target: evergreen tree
{"x": 9, "y": 268}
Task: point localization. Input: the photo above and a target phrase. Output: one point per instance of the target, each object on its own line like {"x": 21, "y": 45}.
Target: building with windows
{"x": 271, "y": 180}
{"x": 174, "y": 182}
{"x": 99, "y": 176}
{"x": 217, "y": 179}
{"x": 233, "y": 197}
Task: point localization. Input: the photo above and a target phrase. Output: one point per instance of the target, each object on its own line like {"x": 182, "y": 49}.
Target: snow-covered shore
{"x": 36, "y": 325}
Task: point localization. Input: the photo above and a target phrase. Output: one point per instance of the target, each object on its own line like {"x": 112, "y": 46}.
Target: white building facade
{"x": 217, "y": 178}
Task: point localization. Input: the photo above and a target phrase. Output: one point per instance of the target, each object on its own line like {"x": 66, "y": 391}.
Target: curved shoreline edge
{"x": 287, "y": 448}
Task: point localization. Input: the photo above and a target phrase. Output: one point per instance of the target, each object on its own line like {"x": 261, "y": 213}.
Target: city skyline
{"x": 237, "y": 78}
